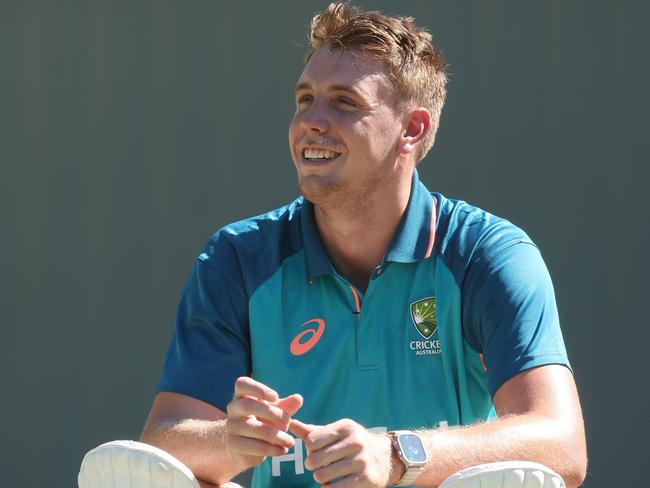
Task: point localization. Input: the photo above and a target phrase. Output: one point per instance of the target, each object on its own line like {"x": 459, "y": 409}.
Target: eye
{"x": 347, "y": 101}
{"x": 305, "y": 98}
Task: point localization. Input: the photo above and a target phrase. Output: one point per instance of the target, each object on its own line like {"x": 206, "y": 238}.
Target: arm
{"x": 192, "y": 431}
{"x": 511, "y": 316}
{"x": 539, "y": 420}
{"x": 210, "y": 341}
{"x": 214, "y": 445}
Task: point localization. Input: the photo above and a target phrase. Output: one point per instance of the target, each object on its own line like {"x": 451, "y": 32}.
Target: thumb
{"x": 301, "y": 429}
{"x": 290, "y": 404}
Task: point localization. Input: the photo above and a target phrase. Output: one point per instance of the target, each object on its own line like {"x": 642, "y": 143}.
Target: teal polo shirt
{"x": 461, "y": 302}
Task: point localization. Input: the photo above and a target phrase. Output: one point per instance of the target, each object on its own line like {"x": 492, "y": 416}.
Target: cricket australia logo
{"x": 423, "y": 315}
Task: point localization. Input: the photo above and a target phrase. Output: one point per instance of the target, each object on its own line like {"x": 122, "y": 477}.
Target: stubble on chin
{"x": 320, "y": 190}
{"x": 334, "y": 196}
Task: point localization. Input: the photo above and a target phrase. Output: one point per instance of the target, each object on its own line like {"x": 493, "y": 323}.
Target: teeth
{"x": 319, "y": 154}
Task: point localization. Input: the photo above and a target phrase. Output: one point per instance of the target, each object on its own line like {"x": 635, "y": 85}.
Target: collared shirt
{"x": 461, "y": 302}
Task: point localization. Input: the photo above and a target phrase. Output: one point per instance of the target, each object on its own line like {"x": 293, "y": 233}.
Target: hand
{"x": 348, "y": 453}
{"x": 258, "y": 421}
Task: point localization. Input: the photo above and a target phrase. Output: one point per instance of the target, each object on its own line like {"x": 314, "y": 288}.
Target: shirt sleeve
{"x": 210, "y": 347}
{"x": 510, "y": 312}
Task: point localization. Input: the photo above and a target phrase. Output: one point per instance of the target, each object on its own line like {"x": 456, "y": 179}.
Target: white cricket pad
{"x": 130, "y": 464}
{"x": 507, "y": 474}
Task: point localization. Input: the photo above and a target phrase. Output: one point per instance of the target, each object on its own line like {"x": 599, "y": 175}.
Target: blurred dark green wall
{"x": 130, "y": 131}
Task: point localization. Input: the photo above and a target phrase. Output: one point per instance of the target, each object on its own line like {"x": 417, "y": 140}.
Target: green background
{"x": 130, "y": 131}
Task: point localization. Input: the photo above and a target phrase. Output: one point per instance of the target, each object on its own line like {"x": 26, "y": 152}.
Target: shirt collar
{"x": 318, "y": 262}
{"x": 415, "y": 235}
{"x": 412, "y": 242}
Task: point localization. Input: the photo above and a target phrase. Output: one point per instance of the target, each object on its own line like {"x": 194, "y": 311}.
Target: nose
{"x": 315, "y": 118}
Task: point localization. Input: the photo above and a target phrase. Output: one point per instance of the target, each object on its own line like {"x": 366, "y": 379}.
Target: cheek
{"x": 387, "y": 134}
{"x": 379, "y": 139}
{"x": 293, "y": 134}
{"x": 292, "y": 126}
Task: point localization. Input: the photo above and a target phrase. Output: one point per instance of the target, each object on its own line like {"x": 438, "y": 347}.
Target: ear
{"x": 417, "y": 124}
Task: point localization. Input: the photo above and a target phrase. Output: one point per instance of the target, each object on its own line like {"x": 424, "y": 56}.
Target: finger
{"x": 330, "y": 454}
{"x": 254, "y": 429}
{"x": 318, "y": 436}
{"x": 205, "y": 484}
{"x": 350, "y": 481}
{"x": 290, "y": 404}
{"x": 245, "y": 386}
{"x": 301, "y": 429}
{"x": 340, "y": 469}
{"x": 246, "y": 407}
{"x": 255, "y": 447}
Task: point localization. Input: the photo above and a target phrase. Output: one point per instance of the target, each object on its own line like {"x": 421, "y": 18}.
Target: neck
{"x": 356, "y": 237}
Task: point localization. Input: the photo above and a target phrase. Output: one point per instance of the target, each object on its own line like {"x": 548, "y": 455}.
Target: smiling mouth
{"x": 319, "y": 155}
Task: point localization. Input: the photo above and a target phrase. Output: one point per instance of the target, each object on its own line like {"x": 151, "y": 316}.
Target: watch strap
{"x": 411, "y": 474}
{"x": 412, "y": 471}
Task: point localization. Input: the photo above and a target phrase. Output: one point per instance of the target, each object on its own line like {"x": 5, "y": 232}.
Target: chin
{"x": 320, "y": 190}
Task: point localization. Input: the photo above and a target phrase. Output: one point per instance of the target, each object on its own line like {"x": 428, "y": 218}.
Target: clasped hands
{"x": 341, "y": 454}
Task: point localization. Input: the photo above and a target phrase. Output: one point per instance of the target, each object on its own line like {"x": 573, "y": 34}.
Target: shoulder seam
{"x": 503, "y": 248}
{"x": 235, "y": 285}
{"x": 514, "y": 242}
{"x": 480, "y": 267}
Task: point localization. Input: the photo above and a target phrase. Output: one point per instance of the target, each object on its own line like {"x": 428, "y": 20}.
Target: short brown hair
{"x": 416, "y": 68}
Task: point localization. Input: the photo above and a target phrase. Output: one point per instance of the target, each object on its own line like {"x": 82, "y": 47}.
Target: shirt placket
{"x": 366, "y": 333}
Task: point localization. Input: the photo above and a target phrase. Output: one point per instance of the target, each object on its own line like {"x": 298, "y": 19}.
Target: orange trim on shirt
{"x": 356, "y": 298}
{"x": 480, "y": 355}
{"x": 432, "y": 230}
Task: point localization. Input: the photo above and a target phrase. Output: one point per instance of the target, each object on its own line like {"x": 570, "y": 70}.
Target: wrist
{"x": 397, "y": 467}
{"x": 411, "y": 453}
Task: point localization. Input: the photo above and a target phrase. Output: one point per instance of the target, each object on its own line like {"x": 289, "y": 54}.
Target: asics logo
{"x": 312, "y": 334}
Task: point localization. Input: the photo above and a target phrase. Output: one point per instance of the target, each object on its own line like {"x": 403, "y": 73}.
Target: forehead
{"x": 337, "y": 67}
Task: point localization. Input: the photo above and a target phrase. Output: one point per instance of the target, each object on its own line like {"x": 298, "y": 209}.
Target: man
{"x": 369, "y": 305}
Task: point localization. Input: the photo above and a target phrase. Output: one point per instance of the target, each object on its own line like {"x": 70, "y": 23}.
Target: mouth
{"x": 318, "y": 155}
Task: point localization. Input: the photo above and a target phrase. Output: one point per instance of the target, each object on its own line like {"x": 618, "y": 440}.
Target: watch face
{"x": 412, "y": 448}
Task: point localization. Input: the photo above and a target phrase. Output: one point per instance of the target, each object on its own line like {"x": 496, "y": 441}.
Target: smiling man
{"x": 394, "y": 336}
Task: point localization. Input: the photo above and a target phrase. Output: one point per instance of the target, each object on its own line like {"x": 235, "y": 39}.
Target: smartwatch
{"x": 409, "y": 448}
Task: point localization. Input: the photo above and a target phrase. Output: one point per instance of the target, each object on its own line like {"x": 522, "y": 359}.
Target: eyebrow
{"x": 334, "y": 88}
{"x": 302, "y": 86}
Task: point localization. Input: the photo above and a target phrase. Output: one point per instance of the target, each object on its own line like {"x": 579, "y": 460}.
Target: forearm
{"x": 531, "y": 437}
{"x": 199, "y": 444}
